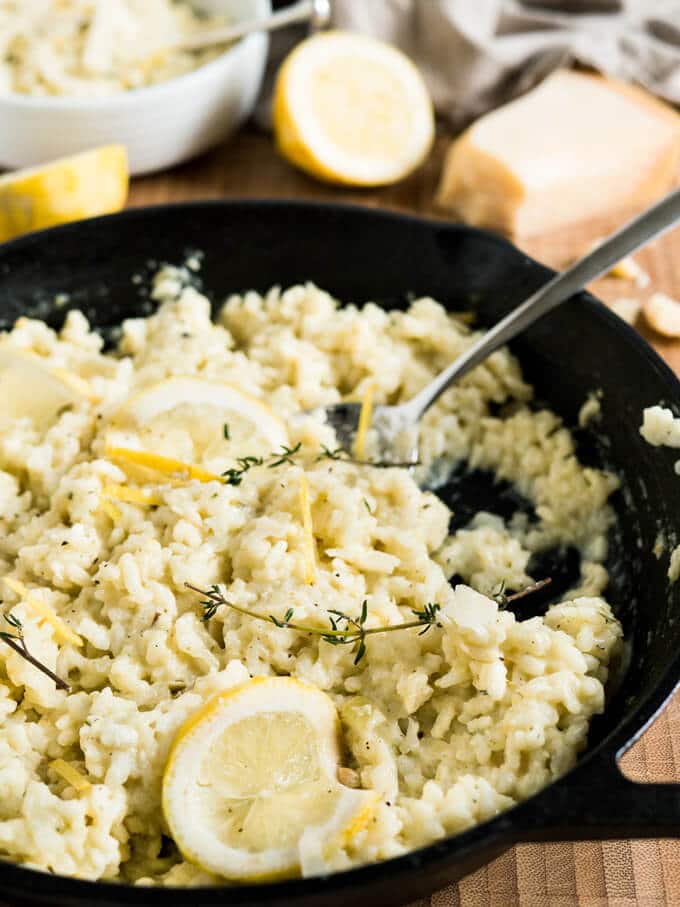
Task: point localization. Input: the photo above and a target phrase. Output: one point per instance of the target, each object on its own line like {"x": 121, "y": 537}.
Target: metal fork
{"x": 396, "y": 426}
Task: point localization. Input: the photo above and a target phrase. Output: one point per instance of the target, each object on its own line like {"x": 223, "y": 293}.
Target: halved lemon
{"x": 84, "y": 185}
{"x": 29, "y": 388}
{"x": 196, "y": 419}
{"x": 350, "y": 109}
{"x": 252, "y": 776}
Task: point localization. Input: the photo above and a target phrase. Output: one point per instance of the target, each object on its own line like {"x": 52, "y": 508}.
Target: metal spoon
{"x": 396, "y": 426}
{"x": 316, "y": 12}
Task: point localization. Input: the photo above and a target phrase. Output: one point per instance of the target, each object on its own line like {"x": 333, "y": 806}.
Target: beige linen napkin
{"x": 477, "y": 54}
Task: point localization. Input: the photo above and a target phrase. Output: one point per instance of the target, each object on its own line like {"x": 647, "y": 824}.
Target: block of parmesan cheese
{"x": 576, "y": 147}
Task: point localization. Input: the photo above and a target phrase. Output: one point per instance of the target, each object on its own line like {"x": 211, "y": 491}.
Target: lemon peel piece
{"x": 131, "y": 495}
{"x": 175, "y": 469}
{"x": 71, "y": 775}
{"x": 308, "y": 527}
{"x": 43, "y": 610}
{"x": 365, "y": 419}
{"x": 115, "y": 514}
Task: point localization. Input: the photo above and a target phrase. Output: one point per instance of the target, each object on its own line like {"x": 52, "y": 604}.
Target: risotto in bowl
{"x": 233, "y": 651}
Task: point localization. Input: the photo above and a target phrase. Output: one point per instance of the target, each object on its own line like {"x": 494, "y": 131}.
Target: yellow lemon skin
{"x": 84, "y": 185}
{"x": 252, "y": 775}
{"x": 352, "y": 111}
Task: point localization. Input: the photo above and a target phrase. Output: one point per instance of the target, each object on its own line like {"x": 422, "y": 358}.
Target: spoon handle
{"x": 302, "y": 11}
{"x": 636, "y": 233}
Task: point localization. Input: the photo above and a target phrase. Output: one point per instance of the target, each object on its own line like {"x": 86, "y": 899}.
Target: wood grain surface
{"x": 610, "y": 874}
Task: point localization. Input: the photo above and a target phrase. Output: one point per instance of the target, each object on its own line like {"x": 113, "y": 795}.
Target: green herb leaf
{"x": 285, "y": 456}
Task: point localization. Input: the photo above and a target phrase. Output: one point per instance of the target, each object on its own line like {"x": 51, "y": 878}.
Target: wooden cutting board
{"x": 610, "y": 874}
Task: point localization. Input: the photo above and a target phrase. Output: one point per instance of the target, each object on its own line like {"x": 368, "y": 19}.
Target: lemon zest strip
{"x": 70, "y": 774}
{"x": 365, "y": 419}
{"x": 43, "y": 610}
{"x": 309, "y": 544}
{"x": 113, "y": 513}
{"x": 131, "y": 495}
{"x": 164, "y": 465}
{"x": 144, "y": 475}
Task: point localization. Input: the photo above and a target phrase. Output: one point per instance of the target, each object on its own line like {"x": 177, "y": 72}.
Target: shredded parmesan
{"x": 43, "y": 610}
{"x": 365, "y": 419}
{"x": 165, "y": 465}
{"x": 309, "y": 543}
{"x": 70, "y": 774}
{"x": 625, "y": 269}
{"x": 131, "y": 495}
{"x": 113, "y": 513}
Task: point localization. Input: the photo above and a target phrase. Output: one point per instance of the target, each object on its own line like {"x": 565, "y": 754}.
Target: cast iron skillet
{"x": 359, "y": 254}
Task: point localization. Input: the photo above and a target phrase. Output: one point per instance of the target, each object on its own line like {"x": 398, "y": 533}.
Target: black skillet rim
{"x": 499, "y": 831}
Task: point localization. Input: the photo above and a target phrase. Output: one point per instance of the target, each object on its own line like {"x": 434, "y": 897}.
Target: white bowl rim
{"x": 130, "y": 97}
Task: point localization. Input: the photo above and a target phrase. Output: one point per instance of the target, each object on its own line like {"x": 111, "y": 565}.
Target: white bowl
{"x": 161, "y": 125}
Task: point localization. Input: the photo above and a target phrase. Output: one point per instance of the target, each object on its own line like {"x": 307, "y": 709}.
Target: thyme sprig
{"x": 234, "y": 476}
{"x": 17, "y": 642}
{"x": 286, "y": 455}
{"x": 328, "y": 454}
{"x": 341, "y": 454}
{"x": 342, "y": 629}
{"x": 505, "y": 600}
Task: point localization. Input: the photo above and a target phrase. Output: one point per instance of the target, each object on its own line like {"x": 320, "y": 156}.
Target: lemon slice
{"x": 253, "y": 773}
{"x": 28, "y": 388}
{"x": 85, "y": 185}
{"x": 350, "y": 109}
{"x": 195, "y": 419}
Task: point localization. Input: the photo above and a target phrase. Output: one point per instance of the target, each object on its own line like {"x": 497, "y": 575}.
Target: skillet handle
{"x": 596, "y": 801}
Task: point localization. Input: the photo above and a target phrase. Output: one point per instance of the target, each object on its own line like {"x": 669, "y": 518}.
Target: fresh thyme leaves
{"x": 234, "y": 476}
{"x": 367, "y": 506}
{"x": 225, "y": 431}
{"x": 210, "y": 605}
{"x": 343, "y": 630}
{"x": 340, "y": 454}
{"x": 505, "y": 600}
{"x": 427, "y": 616}
{"x": 17, "y": 642}
{"x": 14, "y": 621}
{"x": 385, "y": 464}
{"x": 327, "y": 454}
{"x": 286, "y": 455}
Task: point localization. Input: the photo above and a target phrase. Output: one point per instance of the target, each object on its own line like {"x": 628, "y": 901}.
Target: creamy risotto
{"x": 448, "y": 727}
{"x": 93, "y": 48}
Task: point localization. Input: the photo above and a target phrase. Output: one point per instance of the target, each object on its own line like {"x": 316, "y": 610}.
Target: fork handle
{"x": 303, "y": 11}
{"x": 636, "y": 233}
